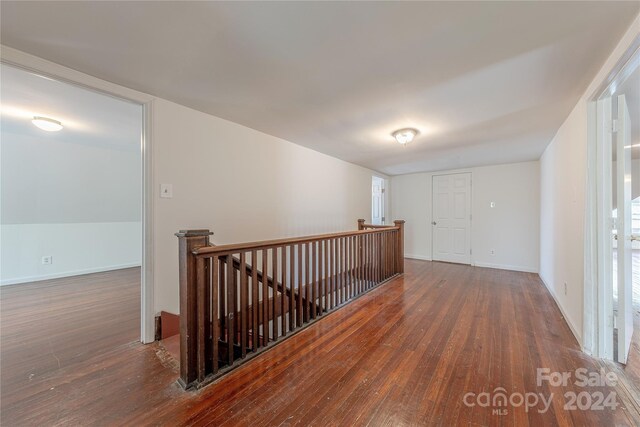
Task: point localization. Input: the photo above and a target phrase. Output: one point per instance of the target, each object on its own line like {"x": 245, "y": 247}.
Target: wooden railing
{"x": 238, "y": 300}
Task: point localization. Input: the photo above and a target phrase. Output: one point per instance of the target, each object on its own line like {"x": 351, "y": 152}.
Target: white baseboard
{"x": 16, "y": 281}
{"x": 567, "y": 319}
{"x": 506, "y": 267}
{"x": 421, "y": 257}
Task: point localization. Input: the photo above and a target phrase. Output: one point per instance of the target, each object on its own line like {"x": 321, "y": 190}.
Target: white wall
{"x": 243, "y": 185}
{"x": 510, "y": 229}
{"x": 77, "y": 202}
{"x": 562, "y": 208}
{"x": 77, "y": 248}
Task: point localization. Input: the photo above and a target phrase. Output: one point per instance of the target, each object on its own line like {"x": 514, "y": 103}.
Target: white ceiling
{"x": 483, "y": 82}
{"x": 89, "y": 118}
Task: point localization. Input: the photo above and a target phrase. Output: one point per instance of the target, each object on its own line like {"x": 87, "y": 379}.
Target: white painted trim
{"x": 59, "y": 72}
{"x": 596, "y": 289}
{"x": 506, "y": 267}
{"x": 420, "y": 257}
{"x": 67, "y": 274}
{"x": 567, "y": 319}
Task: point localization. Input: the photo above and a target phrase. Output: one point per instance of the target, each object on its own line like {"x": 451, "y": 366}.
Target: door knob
{"x": 433, "y": 223}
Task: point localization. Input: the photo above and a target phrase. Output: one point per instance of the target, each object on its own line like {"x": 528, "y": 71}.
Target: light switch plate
{"x": 166, "y": 191}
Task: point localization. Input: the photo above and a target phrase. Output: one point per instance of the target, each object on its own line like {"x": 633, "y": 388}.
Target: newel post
{"x": 361, "y": 224}
{"x": 400, "y": 248}
{"x": 188, "y": 241}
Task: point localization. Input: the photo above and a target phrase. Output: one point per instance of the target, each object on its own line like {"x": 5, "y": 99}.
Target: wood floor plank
{"x": 404, "y": 354}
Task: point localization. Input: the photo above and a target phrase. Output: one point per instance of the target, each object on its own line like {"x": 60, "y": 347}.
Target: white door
{"x": 451, "y": 218}
{"x": 624, "y": 318}
{"x": 377, "y": 201}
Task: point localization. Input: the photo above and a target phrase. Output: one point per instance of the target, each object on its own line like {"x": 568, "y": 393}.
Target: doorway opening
{"x": 72, "y": 238}
{"x": 377, "y": 201}
{"x": 617, "y": 119}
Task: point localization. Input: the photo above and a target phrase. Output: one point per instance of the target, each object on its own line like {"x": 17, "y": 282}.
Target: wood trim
{"x": 222, "y": 250}
{"x": 169, "y": 325}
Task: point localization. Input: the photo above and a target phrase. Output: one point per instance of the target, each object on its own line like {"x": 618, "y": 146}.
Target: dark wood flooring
{"x": 48, "y": 328}
{"x": 404, "y": 354}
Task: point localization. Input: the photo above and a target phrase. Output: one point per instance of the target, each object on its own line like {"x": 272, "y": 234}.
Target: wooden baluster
{"x": 356, "y": 255}
{"x": 375, "y": 258}
{"x": 365, "y": 248}
{"x": 243, "y": 303}
{"x": 386, "y": 254}
{"x": 347, "y": 266}
{"x": 274, "y": 291}
{"x": 300, "y": 288}
{"x": 374, "y": 262}
{"x": 223, "y": 299}
{"x": 351, "y": 276}
{"x": 314, "y": 281}
{"x": 283, "y": 296}
{"x": 382, "y": 255}
{"x": 365, "y": 253}
{"x": 307, "y": 275}
{"x": 350, "y": 293}
{"x": 374, "y": 266}
{"x": 378, "y": 260}
{"x": 202, "y": 295}
{"x": 231, "y": 308}
{"x": 370, "y": 260}
{"x": 389, "y": 254}
{"x": 215, "y": 292}
{"x": 255, "y": 297}
{"x": 292, "y": 284}
{"x": 337, "y": 272}
{"x": 355, "y": 265}
{"x": 265, "y": 297}
{"x": 325, "y": 279}
{"x": 343, "y": 271}
{"x": 333, "y": 273}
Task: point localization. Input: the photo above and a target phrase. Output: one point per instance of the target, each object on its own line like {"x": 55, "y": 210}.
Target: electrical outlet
{"x": 493, "y": 252}
{"x": 47, "y": 260}
{"x": 565, "y": 288}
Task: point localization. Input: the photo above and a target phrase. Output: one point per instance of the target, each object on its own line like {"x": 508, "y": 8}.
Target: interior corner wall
{"x": 562, "y": 213}
{"x": 243, "y": 185}
{"x": 563, "y": 178}
{"x": 515, "y": 190}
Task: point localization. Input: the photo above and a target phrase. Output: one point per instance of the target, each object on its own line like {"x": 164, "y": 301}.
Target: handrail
{"x": 237, "y": 300}
{"x": 221, "y": 250}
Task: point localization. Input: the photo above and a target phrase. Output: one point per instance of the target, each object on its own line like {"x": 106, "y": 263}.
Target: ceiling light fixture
{"x": 405, "y": 136}
{"x": 47, "y": 124}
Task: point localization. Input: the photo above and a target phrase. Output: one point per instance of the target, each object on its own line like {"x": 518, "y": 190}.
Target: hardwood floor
{"x": 403, "y": 354}
{"x": 47, "y": 328}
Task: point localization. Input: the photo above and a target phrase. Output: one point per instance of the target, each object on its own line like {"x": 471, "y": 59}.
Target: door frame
{"x": 597, "y": 313}
{"x": 471, "y": 259}
{"x": 36, "y": 65}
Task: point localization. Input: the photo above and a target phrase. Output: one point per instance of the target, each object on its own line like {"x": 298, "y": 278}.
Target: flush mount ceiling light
{"x": 405, "y": 136}
{"x": 47, "y": 124}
